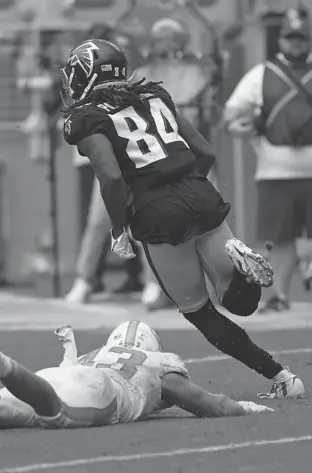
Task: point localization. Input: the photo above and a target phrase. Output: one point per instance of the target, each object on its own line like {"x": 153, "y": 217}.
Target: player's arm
{"x": 113, "y": 189}
{"x": 244, "y": 105}
{"x": 246, "y": 95}
{"x": 200, "y": 147}
{"x": 182, "y": 392}
{"x": 66, "y": 336}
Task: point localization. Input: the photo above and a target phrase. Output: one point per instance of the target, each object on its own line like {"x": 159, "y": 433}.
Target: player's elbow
{"x": 217, "y": 408}
{"x": 115, "y": 179}
{"x": 113, "y": 189}
{"x": 113, "y": 173}
{"x": 222, "y": 405}
{"x": 111, "y": 178}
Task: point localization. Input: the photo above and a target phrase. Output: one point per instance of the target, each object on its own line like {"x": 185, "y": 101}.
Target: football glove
{"x": 122, "y": 246}
{"x": 66, "y": 336}
{"x": 253, "y": 408}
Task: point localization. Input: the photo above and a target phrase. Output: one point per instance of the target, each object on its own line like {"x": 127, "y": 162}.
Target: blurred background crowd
{"x": 54, "y": 228}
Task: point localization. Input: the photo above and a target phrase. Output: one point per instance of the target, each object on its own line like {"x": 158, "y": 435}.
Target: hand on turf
{"x": 122, "y": 246}
{"x": 253, "y": 408}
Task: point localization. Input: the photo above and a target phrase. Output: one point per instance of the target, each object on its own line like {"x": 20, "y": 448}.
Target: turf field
{"x": 173, "y": 442}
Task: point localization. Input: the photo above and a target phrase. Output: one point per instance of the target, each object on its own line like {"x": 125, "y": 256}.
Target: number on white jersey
{"x": 127, "y": 361}
{"x": 143, "y": 148}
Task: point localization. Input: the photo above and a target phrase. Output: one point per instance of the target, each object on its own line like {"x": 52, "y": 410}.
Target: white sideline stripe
{"x": 295, "y": 351}
{"x": 145, "y": 456}
{"x": 107, "y": 312}
{"x": 62, "y": 304}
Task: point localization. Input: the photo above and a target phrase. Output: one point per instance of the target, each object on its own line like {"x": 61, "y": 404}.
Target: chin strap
{"x": 90, "y": 84}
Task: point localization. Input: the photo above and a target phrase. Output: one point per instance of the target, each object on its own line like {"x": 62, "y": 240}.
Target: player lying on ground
{"x": 125, "y": 380}
{"x": 136, "y": 140}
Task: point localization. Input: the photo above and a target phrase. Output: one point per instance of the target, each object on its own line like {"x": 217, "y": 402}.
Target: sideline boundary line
{"x": 152, "y": 455}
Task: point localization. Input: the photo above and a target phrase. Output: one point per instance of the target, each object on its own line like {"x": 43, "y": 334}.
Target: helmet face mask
{"x": 67, "y": 92}
{"x": 92, "y": 63}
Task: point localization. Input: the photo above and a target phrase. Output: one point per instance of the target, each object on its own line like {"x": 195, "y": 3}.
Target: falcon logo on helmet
{"x": 84, "y": 57}
{"x": 90, "y": 65}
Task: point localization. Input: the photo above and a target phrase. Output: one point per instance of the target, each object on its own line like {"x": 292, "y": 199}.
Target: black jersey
{"x": 144, "y": 136}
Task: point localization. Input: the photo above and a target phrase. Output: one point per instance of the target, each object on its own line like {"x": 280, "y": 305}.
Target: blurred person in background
{"x": 170, "y": 60}
{"x": 95, "y": 244}
{"x": 272, "y": 106}
{"x": 95, "y": 249}
{"x": 34, "y": 78}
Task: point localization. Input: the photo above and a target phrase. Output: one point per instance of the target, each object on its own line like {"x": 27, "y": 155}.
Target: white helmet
{"x": 134, "y": 334}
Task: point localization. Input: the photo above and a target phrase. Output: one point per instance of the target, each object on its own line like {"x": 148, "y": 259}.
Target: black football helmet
{"x": 93, "y": 62}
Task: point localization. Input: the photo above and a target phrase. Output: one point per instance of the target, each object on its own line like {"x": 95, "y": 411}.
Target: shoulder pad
{"x": 73, "y": 125}
{"x": 166, "y": 97}
{"x": 84, "y": 121}
{"x": 172, "y": 363}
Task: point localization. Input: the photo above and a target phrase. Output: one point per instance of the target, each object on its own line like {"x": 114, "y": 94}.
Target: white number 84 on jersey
{"x": 154, "y": 146}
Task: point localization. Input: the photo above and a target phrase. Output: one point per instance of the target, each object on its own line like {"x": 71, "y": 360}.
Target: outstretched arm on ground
{"x": 182, "y": 392}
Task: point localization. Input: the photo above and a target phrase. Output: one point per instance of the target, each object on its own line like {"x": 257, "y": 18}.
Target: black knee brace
{"x": 231, "y": 339}
{"x": 242, "y": 297}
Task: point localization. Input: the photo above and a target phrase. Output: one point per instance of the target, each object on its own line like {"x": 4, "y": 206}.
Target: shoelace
{"x": 271, "y": 394}
{"x": 273, "y": 388}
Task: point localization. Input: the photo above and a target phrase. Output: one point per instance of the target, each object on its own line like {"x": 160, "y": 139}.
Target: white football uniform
{"x": 15, "y": 413}
{"x": 111, "y": 385}
{"x": 88, "y": 396}
{"x": 136, "y": 375}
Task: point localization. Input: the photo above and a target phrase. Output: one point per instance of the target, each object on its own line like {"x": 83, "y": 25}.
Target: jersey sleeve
{"x": 172, "y": 363}
{"x": 74, "y": 129}
{"x": 248, "y": 91}
{"x": 83, "y": 122}
{"x": 88, "y": 358}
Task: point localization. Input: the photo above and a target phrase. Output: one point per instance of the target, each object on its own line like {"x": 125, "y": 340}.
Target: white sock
{"x": 282, "y": 376}
{"x": 5, "y": 365}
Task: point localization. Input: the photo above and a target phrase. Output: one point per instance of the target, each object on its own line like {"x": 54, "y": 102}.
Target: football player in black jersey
{"x": 152, "y": 166}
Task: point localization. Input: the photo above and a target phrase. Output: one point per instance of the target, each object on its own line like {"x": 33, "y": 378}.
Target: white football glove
{"x": 253, "y": 408}
{"x": 66, "y": 336}
{"x": 122, "y": 246}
